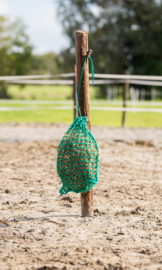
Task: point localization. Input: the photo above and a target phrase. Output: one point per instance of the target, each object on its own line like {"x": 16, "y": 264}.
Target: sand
{"x": 45, "y": 228}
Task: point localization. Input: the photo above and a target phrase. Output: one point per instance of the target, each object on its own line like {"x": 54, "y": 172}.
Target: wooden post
{"x": 125, "y": 93}
{"x": 74, "y": 90}
{"x": 81, "y": 44}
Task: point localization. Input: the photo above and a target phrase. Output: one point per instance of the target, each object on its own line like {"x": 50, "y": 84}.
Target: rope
{"x": 81, "y": 75}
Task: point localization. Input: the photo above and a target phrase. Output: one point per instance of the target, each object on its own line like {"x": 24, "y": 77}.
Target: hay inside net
{"x": 78, "y": 158}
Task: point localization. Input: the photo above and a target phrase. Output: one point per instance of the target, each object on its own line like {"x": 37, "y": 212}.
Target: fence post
{"x": 142, "y": 97}
{"x": 125, "y": 93}
{"x": 153, "y": 94}
{"x": 74, "y": 90}
{"x": 81, "y": 44}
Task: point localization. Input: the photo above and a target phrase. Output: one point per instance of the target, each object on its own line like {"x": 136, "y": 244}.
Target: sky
{"x": 43, "y": 28}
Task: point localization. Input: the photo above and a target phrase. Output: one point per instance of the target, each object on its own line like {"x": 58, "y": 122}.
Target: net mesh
{"x": 78, "y": 158}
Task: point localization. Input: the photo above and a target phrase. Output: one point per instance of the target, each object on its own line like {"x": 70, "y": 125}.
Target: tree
{"x": 48, "y": 63}
{"x": 124, "y": 34}
{"x": 15, "y": 50}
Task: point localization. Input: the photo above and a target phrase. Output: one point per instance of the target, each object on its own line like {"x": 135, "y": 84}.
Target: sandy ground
{"x": 46, "y": 230}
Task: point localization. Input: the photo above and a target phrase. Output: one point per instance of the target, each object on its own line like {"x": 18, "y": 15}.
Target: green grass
{"x": 105, "y": 118}
{"x": 43, "y": 114}
{"x": 42, "y": 92}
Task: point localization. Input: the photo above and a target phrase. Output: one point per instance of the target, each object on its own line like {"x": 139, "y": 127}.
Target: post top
{"x": 80, "y": 32}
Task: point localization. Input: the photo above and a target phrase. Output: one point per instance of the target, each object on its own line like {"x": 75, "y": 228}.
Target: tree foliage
{"x": 15, "y": 50}
{"x": 48, "y": 63}
{"x": 124, "y": 34}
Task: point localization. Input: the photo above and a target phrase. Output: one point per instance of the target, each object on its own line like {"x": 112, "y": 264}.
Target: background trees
{"x": 124, "y": 34}
{"x": 15, "y": 50}
{"x": 16, "y": 54}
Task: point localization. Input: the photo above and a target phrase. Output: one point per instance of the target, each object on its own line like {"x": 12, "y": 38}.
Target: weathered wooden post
{"x": 125, "y": 93}
{"x": 74, "y": 90}
{"x": 81, "y": 44}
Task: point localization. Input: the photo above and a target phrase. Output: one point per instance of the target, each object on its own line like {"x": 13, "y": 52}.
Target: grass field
{"x": 45, "y": 92}
{"x": 44, "y": 113}
{"x": 106, "y": 118}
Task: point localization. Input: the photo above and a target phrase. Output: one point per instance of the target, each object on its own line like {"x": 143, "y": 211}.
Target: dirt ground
{"x": 45, "y": 228}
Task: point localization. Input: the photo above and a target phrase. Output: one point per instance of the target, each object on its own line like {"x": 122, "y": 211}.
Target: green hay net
{"x": 78, "y": 156}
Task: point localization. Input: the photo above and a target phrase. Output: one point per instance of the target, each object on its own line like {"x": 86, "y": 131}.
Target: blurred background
{"x": 37, "y": 37}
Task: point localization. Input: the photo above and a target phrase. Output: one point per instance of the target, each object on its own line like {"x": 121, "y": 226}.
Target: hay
{"x": 78, "y": 158}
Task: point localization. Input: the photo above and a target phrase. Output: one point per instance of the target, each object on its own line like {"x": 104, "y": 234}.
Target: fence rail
{"x": 96, "y": 82}
{"x": 96, "y": 108}
{"x": 62, "y": 82}
{"x": 102, "y": 79}
{"x": 21, "y": 77}
{"x": 70, "y": 102}
{"x": 96, "y": 75}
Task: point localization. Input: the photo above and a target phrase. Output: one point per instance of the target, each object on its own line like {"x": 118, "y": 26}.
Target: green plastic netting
{"x": 78, "y": 158}
{"x": 78, "y": 153}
